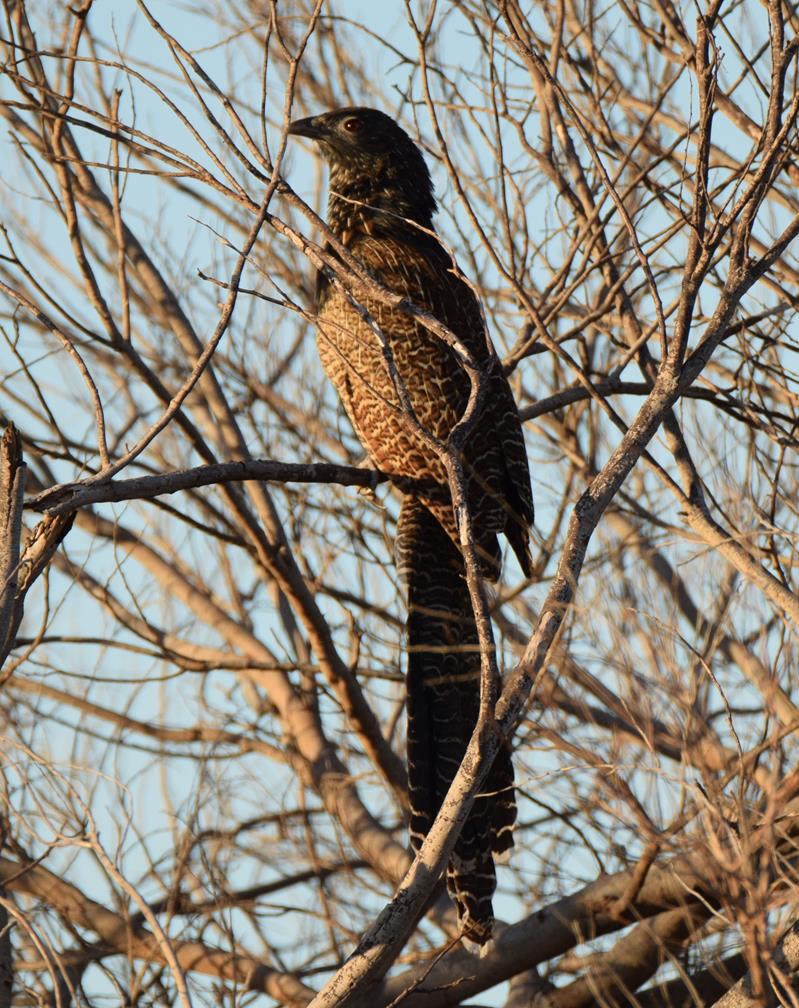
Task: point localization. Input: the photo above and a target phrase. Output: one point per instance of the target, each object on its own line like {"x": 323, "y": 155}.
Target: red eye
{"x": 353, "y": 125}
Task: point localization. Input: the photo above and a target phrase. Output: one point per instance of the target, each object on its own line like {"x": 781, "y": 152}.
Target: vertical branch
{"x": 12, "y": 483}
{"x": 6, "y": 963}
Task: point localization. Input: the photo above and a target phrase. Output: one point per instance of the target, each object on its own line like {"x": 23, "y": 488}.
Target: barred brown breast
{"x": 437, "y": 386}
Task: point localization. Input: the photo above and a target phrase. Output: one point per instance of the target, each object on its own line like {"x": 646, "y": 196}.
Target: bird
{"x": 381, "y": 204}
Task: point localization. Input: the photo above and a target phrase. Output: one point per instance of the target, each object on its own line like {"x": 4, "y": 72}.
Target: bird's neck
{"x": 376, "y": 204}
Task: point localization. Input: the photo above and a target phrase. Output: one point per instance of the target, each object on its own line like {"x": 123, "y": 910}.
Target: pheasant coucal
{"x": 381, "y": 207}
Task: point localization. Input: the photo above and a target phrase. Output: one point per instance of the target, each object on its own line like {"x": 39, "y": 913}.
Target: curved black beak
{"x": 310, "y": 127}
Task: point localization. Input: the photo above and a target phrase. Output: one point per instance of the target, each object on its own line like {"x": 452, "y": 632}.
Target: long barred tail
{"x": 443, "y": 698}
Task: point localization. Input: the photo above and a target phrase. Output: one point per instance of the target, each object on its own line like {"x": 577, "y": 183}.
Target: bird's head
{"x": 355, "y": 136}
{"x": 367, "y": 150}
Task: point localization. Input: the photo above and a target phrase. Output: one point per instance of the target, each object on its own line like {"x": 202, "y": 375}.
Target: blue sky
{"x": 185, "y": 239}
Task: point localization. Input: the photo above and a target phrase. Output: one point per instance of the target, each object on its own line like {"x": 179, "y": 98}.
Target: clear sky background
{"x": 126, "y": 797}
{"x": 122, "y": 794}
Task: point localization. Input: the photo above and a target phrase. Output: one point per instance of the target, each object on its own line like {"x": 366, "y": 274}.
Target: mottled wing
{"x": 438, "y": 388}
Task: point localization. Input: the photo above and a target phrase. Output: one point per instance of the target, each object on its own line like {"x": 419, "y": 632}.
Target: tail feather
{"x": 443, "y": 698}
